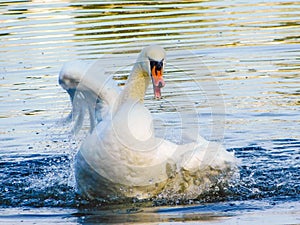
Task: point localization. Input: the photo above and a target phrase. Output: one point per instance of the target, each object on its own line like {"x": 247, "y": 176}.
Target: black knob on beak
{"x": 159, "y": 65}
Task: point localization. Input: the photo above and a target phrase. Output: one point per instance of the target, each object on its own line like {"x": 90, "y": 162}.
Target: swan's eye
{"x": 157, "y": 64}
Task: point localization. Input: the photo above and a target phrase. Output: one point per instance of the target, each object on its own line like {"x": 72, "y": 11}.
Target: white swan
{"x": 122, "y": 157}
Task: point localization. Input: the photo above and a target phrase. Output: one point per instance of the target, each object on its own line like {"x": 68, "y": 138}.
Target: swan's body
{"x": 122, "y": 157}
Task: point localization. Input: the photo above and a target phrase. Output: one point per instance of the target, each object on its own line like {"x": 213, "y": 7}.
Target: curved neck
{"x": 136, "y": 85}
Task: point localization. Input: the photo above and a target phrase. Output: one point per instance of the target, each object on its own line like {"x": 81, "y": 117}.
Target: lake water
{"x": 233, "y": 65}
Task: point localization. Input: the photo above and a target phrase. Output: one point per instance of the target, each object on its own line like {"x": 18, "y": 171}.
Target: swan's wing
{"x": 90, "y": 89}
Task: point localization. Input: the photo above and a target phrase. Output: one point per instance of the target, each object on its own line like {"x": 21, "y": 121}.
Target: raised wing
{"x": 90, "y": 89}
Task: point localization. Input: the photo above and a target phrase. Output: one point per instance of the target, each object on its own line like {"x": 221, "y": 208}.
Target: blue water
{"x": 233, "y": 64}
{"x": 41, "y": 180}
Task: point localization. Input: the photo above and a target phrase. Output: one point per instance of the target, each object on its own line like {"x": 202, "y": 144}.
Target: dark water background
{"x": 245, "y": 61}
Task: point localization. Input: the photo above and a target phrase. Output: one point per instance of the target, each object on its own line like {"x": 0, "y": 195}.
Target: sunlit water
{"x": 232, "y": 65}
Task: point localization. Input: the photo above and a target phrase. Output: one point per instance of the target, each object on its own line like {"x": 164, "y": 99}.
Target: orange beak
{"x": 157, "y": 80}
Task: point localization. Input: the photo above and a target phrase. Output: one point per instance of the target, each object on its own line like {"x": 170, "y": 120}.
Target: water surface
{"x": 232, "y": 65}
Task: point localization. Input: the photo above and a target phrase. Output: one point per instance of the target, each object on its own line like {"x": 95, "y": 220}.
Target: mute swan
{"x": 122, "y": 157}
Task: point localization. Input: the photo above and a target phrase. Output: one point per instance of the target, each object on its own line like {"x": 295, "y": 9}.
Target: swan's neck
{"x": 136, "y": 85}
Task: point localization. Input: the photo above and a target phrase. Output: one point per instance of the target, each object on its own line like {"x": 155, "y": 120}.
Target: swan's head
{"x": 153, "y": 62}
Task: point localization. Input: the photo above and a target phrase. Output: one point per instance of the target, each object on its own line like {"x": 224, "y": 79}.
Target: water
{"x": 234, "y": 64}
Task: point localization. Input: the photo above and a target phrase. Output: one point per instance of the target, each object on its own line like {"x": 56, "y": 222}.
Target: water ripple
{"x": 244, "y": 55}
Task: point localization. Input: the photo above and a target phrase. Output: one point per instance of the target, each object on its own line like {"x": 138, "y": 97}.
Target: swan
{"x": 122, "y": 157}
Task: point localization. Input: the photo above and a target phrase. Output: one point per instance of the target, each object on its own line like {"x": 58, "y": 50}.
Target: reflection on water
{"x": 236, "y": 62}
